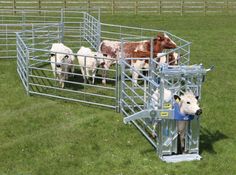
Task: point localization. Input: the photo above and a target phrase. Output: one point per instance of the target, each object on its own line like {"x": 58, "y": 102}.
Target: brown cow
{"x": 138, "y": 49}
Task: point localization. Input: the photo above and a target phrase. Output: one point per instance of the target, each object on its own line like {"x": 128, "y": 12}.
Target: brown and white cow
{"x": 171, "y": 59}
{"x": 137, "y": 49}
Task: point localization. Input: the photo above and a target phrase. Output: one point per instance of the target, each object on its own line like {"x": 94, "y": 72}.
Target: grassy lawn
{"x": 47, "y": 136}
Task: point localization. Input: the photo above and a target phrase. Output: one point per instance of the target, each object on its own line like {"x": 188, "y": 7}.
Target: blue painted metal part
{"x": 180, "y": 117}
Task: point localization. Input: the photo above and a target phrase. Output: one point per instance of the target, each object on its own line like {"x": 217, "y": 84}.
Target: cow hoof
{"x": 103, "y": 82}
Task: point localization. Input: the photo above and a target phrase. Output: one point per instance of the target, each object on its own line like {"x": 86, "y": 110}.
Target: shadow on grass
{"x": 76, "y": 78}
{"x": 208, "y": 138}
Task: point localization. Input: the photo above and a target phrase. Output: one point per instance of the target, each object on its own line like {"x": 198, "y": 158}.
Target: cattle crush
{"x": 36, "y": 31}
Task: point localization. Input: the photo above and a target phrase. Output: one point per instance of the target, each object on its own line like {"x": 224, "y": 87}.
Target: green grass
{"x": 47, "y": 136}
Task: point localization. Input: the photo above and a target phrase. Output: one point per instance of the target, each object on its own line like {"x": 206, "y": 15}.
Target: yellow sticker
{"x": 167, "y": 106}
{"x": 164, "y": 114}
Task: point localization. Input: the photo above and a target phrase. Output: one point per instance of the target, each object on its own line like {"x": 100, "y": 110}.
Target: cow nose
{"x": 199, "y": 112}
{"x": 58, "y": 65}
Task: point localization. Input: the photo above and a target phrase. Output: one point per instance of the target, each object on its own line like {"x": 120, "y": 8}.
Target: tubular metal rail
{"x": 74, "y": 29}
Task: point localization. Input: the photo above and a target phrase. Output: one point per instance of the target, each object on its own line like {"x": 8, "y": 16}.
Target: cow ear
{"x": 160, "y": 36}
{"x": 177, "y": 98}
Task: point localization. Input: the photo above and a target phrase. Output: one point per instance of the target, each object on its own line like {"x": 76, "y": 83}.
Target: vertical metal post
{"x": 61, "y": 25}
{"x": 33, "y": 40}
{"x": 122, "y": 73}
{"x": 188, "y": 62}
{"x": 27, "y": 70}
{"x": 98, "y": 30}
{"x": 85, "y": 67}
{"x": 117, "y": 90}
{"x": 151, "y": 63}
{"x": 146, "y": 104}
{"x": 149, "y": 86}
{"x": 84, "y": 25}
{"x": 6, "y": 38}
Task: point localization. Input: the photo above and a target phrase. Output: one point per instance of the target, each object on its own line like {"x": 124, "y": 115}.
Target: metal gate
{"x": 74, "y": 29}
{"x": 33, "y": 51}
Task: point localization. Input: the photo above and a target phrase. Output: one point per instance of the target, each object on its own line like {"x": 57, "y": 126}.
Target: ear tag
{"x": 177, "y": 100}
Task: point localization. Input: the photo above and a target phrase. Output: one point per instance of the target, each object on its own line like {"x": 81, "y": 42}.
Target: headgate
{"x": 155, "y": 118}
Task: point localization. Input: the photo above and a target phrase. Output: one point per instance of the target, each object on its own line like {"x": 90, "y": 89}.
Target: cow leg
{"x": 135, "y": 78}
{"x": 88, "y": 75}
{"x": 72, "y": 70}
{"x": 137, "y": 66}
{"x": 93, "y": 75}
{"x": 61, "y": 80}
{"x": 62, "y": 84}
{"x": 104, "y": 75}
{"x": 83, "y": 73}
{"x": 54, "y": 73}
{"x": 181, "y": 126}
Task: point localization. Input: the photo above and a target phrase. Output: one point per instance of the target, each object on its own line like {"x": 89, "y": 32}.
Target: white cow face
{"x": 57, "y": 60}
{"x": 188, "y": 104}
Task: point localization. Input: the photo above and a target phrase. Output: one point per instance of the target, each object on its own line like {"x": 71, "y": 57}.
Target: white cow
{"x": 89, "y": 61}
{"x": 156, "y": 96}
{"x": 61, "y": 58}
{"x": 186, "y": 106}
{"x": 144, "y": 64}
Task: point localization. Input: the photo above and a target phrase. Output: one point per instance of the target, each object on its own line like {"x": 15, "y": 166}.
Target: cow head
{"x": 188, "y": 104}
{"x": 165, "y": 41}
{"x": 58, "y": 59}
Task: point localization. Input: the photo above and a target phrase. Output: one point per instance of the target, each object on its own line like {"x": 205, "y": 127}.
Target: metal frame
{"x": 77, "y": 29}
{"x": 159, "y": 125}
{"x": 37, "y": 74}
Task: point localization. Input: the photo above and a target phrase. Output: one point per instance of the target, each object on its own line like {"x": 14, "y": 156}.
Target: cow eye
{"x": 188, "y": 102}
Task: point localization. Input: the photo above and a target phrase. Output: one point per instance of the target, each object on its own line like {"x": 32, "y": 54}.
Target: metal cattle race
{"x": 40, "y": 29}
